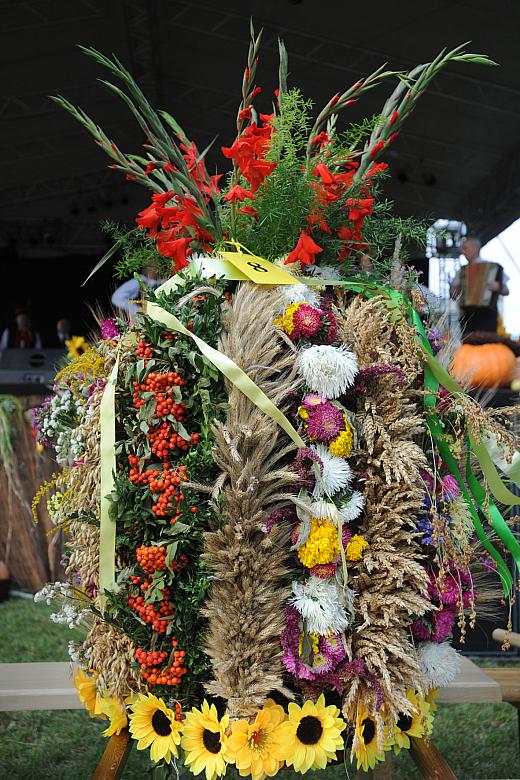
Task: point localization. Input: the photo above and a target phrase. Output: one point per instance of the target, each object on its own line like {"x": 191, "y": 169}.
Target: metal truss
{"x": 42, "y": 237}
{"x": 72, "y": 185}
{"x": 30, "y": 14}
{"x": 141, "y": 30}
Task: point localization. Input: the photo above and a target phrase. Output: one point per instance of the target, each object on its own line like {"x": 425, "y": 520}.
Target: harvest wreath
{"x": 277, "y": 502}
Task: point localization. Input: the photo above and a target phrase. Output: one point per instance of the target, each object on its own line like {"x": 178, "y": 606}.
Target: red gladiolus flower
{"x": 392, "y": 137}
{"x": 255, "y": 92}
{"x": 305, "y": 250}
{"x": 249, "y": 210}
{"x": 178, "y": 250}
{"x": 325, "y": 175}
{"x": 376, "y": 168}
{"x": 168, "y": 167}
{"x": 238, "y": 193}
{"x": 359, "y": 208}
{"x": 256, "y": 171}
{"x": 321, "y": 139}
{"x": 150, "y": 167}
{"x": 394, "y": 117}
{"x": 245, "y": 113}
{"x": 334, "y": 100}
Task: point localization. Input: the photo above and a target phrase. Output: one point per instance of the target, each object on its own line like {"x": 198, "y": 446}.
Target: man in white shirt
{"x": 129, "y": 292}
{"x": 478, "y": 318}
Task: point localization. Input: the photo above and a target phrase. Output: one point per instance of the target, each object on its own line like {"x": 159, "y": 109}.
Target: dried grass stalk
{"x": 111, "y": 653}
{"x": 245, "y": 604}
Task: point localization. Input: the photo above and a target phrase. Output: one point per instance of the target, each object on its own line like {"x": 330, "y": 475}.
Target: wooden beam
{"x": 430, "y": 763}
{"x": 39, "y": 686}
{"x": 472, "y": 685}
{"x": 499, "y": 635}
{"x": 114, "y": 757}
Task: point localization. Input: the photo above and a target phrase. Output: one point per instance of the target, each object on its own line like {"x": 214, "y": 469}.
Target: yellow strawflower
{"x": 322, "y": 546}
{"x": 355, "y": 547}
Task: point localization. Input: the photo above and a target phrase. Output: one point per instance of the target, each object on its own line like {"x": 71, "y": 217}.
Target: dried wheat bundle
{"x": 245, "y": 605}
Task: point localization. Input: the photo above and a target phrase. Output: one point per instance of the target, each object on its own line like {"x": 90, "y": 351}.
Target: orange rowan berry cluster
{"x": 152, "y": 558}
{"x": 144, "y": 350}
{"x": 169, "y": 675}
{"x": 164, "y": 484}
{"x": 157, "y": 615}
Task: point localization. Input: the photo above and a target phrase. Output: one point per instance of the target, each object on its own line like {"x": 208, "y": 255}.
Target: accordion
{"x": 474, "y": 279}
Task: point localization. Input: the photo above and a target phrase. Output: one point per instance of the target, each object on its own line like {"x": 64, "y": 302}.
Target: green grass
{"x": 479, "y": 742}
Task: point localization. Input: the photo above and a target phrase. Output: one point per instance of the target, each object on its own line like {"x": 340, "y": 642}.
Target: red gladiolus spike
{"x": 178, "y": 250}
{"x": 334, "y": 100}
{"x": 394, "y": 117}
{"x": 255, "y": 92}
{"x": 249, "y": 210}
{"x": 376, "y": 149}
{"x": 245, "y": 113}
{"x": 323, "y": 172}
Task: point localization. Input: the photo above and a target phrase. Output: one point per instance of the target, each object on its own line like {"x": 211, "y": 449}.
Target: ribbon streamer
{"x": 107, "y": 452}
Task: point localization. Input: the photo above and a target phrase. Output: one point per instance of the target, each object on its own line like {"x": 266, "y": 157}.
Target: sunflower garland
{"x": 329, "y": 556}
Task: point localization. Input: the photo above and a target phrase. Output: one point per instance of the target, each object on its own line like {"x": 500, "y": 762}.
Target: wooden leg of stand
{"x": 430, "y": 763}
{"x": 114, "y": 757}
{"x": 383, "y": 771}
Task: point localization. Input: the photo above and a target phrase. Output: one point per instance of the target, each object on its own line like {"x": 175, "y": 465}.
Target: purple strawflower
{"x": 324, "y": 422}
{"x": 109, "y": 329}
{"x": 442, "y": 623}
{"x": 333, "y": 647}
{"x": 290, "y": 641}
{"x": 332, "y": 327}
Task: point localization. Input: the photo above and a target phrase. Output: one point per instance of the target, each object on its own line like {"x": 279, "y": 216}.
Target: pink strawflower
{"x": 325, "y": 422}
{"x": 313, "y": 399}
{"x": 307, "y": 321}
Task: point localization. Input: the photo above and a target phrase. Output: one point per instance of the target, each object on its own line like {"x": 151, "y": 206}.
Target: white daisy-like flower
{"x": 300, "y": 293}
{"x": 325, "y": 510}
{"x": 336, "y": 472}
{"x": 439, "y": 663}
{"x": 324, "y": 272}
{"x": 353, "y": 507}
{"x": 324, "y": 606}
{"x": 328, "y": 370}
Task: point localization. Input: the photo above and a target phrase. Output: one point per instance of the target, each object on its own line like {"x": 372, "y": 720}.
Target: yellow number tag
{"x": 259, "y": 270}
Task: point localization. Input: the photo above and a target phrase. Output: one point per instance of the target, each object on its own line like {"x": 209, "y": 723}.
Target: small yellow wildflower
{"x": 355, "y": 548}
{"x": 286, "y": 323}
{"x": 322, "y": 545}
{"x": 341, "y": 446}
{"x": 303, "y": 413}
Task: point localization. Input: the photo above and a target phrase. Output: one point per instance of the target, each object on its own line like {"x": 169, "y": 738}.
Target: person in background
{"x": 129, "y": 292}
{"x": 473, "y": 318}
{"x": 63, "y": 332}
{"x": 20, "y": 335}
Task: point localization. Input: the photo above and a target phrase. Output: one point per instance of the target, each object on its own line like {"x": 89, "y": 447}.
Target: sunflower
{"x": 365, "y": 740}
{"x": 251, "y": 745}
{"x": 204, "y": 741}
{"x": 417, "y": 724}
{"x": 116, "y": 714}
{"x": 310, "y": 736}
{"x": 86, "y": 687}
{"x": 153, "y": 724}
{"x": 76, "y": 346}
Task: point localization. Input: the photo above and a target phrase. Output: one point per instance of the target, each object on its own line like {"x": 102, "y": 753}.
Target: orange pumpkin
{"x": 484, "y": 365}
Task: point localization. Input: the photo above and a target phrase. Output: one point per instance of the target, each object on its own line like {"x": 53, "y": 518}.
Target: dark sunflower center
{"x": 369, "y": 731}
{"x": 211, "y": 740}
{"x": 310, "y": 730}
{"x": 405, "y": 722}
{"x": 161, "y": 723}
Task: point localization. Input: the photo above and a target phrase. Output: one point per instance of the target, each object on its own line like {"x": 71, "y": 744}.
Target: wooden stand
{"x": 114, "y": 757}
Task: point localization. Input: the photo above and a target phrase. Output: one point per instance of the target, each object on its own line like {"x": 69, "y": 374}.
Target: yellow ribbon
{"x": 107, "y": 451}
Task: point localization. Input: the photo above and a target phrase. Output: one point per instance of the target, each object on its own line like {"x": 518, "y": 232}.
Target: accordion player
{"x": 478, "y": 286}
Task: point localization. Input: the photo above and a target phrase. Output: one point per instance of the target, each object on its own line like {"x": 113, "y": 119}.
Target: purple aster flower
{"x": 290, "y": 641}
{"x": 436, "y": 340}
{"x": 333, "y": 647}
{"x": 109, "y": 329}
{"x": 442, "y": 623}
{"x": 371, "y": 372}
{"x": 421, "y": 630}
{"x": 325, "y": 422}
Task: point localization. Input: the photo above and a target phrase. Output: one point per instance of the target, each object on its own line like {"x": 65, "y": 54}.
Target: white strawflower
{"x": 328, "y": 370}
{"x": 353, "y": 507}
{"x": 439, "y": 663}
{"x": 323, "y": 605}
{"x": 300, "y": 293}
{"x": 325, "y": 510}
{"x": 336, "y": 473}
